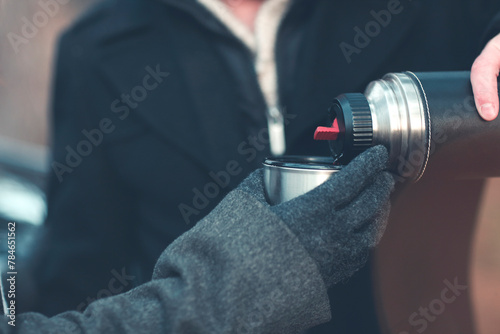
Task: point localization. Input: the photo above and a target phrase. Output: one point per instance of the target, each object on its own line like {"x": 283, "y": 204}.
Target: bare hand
{"x": 484, "y": 76}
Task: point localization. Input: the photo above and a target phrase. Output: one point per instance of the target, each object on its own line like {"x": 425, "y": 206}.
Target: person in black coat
{"x": 158, "y": 114}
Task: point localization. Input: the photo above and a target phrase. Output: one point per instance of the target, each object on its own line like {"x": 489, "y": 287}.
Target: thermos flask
{"x": 427, "y": 121}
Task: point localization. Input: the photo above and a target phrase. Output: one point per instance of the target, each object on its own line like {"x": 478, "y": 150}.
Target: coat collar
{"x": 132, "y": 43}
{"x": 135, "y": 25}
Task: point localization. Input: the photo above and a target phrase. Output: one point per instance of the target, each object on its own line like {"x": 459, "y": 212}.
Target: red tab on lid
{"x": 325, "y": 133}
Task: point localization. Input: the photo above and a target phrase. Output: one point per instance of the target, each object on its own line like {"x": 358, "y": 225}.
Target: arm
{"x": 250, "y": 267}
{"x": 238, "y": 270}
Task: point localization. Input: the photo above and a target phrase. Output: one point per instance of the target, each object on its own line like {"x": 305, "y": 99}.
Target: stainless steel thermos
{"x": 427, "y": 121}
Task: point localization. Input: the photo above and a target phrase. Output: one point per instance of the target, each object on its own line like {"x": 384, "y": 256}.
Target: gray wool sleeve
{"x": 239, "y": 270}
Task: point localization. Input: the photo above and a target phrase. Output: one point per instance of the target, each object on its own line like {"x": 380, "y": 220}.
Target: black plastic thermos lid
{"x": 351, "y": 131}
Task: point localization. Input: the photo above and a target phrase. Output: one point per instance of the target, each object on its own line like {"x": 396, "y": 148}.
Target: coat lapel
{"x": 194, "y": 123}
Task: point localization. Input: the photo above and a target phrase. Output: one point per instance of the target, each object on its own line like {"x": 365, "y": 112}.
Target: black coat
{"x": 120, "y": 202}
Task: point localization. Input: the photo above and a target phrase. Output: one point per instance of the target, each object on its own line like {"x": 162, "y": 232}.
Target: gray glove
{"x": 342, "y": 219}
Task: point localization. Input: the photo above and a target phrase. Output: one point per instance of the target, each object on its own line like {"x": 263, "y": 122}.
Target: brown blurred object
{"x": 441, "y": 233}
{"x": 426, "y": 246}
{"x": 25, "y": 76}
{"x": 485, "y": 267}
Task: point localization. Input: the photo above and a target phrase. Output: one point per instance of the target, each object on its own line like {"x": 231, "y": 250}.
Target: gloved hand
{"x": 342, "y": 219}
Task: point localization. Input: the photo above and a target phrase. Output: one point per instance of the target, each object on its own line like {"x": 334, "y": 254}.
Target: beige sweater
{"x": 261, "y": 43}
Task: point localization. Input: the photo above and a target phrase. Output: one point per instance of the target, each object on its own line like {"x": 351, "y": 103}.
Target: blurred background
{"x": 26, "y": 66}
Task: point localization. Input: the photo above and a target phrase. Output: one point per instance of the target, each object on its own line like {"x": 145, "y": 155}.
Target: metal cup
{"x": 290, "y": 176}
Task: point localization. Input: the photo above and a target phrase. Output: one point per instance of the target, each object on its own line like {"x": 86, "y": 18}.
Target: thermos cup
{"x": 428, "y": 122}
{"x": 288, "y": 177}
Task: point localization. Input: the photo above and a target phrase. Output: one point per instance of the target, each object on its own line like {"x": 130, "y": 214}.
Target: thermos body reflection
{"x": 427, "y": 121}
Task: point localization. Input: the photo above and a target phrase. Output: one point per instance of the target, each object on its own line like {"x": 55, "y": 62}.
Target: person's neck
{"x": 245, "y": 10}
